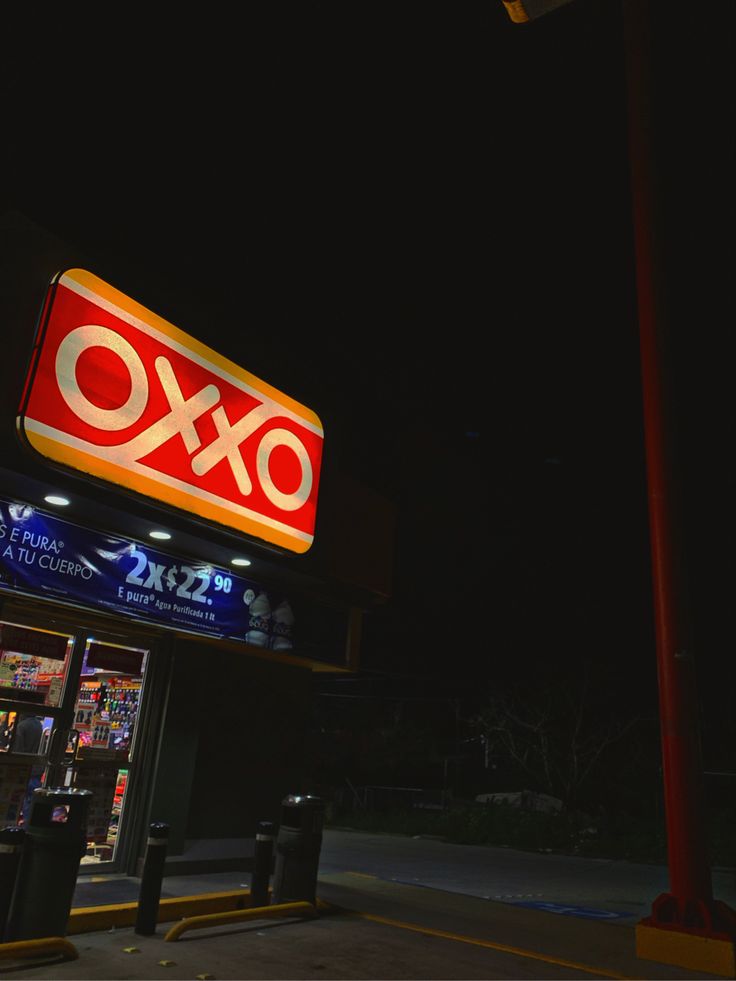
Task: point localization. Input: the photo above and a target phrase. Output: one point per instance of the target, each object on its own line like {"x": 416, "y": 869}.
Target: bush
{"x": 469, "y": 824}
{"x": 721, "y": 823}
{"x": 623, "y": 836}
{"x": 634, "y": 838}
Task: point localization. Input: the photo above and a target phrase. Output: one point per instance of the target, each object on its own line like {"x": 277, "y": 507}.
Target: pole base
{"x": 689, "y": 950}
{"x": 694, "y": 934}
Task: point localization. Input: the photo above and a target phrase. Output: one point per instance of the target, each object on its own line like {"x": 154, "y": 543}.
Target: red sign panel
{"x": 120, "y": 659}
{"x": 119, "y": 393}
{"x": 37, "y": 643}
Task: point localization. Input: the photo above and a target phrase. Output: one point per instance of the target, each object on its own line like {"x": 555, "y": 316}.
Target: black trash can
{"x": 56, "y": 839}
{"x": 298, "y": 846}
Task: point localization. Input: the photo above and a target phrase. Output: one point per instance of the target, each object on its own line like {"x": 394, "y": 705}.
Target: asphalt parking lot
{"x": 388, "y": 907}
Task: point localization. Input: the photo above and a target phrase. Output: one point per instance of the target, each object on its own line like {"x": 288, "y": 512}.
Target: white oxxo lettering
{"x": 180, "y": 419}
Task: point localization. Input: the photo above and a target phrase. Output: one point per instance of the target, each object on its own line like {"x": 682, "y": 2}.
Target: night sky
{"x": 416, "y": 218}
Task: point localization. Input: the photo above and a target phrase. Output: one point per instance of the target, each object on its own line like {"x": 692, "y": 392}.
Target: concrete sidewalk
{"x": 370, "y": 929}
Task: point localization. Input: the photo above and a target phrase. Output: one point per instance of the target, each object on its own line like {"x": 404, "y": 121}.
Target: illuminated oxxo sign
{"x": 121, "y": 394}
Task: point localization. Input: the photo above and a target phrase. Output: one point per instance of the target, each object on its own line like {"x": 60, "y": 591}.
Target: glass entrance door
{"x": 106, "y": 711}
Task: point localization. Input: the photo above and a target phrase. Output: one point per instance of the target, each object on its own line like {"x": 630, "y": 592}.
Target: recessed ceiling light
{"x": 57, "y": 499}
{"x": 161, "y": 535}
{"x": 239, "y": 561}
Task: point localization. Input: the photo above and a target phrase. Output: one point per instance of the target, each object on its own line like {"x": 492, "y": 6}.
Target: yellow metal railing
{"x": 39, "y": 947}
{"x": 239, "y": 915}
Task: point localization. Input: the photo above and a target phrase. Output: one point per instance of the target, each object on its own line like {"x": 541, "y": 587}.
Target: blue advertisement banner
{"x": 48, "y": 556}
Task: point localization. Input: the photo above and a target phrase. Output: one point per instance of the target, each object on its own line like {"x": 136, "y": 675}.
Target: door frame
{"x": 81, "y": 624}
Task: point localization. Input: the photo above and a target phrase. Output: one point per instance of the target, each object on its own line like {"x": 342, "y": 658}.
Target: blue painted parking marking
{"x": 584, "y": 911}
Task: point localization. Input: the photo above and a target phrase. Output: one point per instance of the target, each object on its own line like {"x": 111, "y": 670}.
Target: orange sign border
{"x": 261, "y": 527}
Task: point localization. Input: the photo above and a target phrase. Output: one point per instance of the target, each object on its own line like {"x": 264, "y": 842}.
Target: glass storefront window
{"x": 109, "y": 695}
{"x": 41, "y": 680}
{"x": 33, "y": 664}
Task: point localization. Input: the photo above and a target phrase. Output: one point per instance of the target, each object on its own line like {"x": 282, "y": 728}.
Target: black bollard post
{"x": 11, "y": 846}
{"x": 262, "y": 857}
{"x": 153, "y": 873}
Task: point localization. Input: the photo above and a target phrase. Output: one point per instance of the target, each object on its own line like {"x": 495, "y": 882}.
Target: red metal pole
{"x": 689, "y": 904}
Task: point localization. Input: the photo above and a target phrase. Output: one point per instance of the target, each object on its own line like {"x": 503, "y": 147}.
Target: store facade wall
{"x": 232, "y": 745}
{"x": 251, "y": 749}
{"x": 225, "y": 723}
